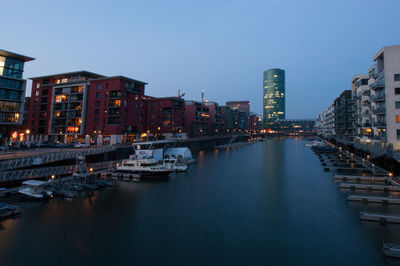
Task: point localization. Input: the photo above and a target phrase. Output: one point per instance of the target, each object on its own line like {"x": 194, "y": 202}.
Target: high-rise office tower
{"x": 274, "y": 95}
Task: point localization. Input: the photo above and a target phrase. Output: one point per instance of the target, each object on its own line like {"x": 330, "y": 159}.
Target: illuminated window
{"x": 64, "y": 80}
{"x": 275, "y": 76}
{"x": 398, "y": 118}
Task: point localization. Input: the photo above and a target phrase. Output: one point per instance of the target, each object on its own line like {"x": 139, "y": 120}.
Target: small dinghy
{"x": 391, "y": 250}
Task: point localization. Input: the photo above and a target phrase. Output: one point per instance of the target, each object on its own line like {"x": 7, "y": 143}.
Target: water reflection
{"x": 267, "y": 203}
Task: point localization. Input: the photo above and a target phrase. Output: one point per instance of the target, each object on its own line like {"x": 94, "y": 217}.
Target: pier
{"x": 374, "y": 199}
{"x": 354, "y": 186}
{"x": 380, "y": 217}
{"x": 369, "y": 179}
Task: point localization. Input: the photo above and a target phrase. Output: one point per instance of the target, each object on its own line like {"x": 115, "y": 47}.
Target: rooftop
{"x": 16, "y": 56}
{"x": 82, "y": 73}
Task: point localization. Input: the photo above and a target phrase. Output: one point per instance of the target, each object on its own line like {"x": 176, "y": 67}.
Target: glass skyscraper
{"x": 274, "y": 95}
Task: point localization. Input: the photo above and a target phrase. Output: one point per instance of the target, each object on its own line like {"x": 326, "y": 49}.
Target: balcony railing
{"x": 366, "y": 103}
{"x": 380, "y": 124}
{"x": 378, "y": 98}
{"x": 366, "y": 124}
{"x": 378, "y": 111}
{"x": 378, "y": 84}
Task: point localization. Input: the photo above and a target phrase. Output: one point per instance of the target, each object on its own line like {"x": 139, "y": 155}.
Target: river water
{"x": 266, "y": 203}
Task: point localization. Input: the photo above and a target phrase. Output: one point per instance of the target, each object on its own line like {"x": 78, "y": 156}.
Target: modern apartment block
{"x": 375, "y": 107}
{"x": 196, "y": 118}
{"x": 386, "y": 96}
{"x": 274, "y": 95}
{"x": 361, "y": 94}
{"x": 239, "y": 105}
{"x": 214, "y": 122}
{"x": 165, "y": 117}
{"x": 344, "y": 118}
{"x": 12, "y": 92}
{"x": 84, "y": 106}
{"x": 326, "y": 122}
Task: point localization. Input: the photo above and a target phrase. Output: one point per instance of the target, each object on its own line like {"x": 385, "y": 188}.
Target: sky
{"x": 222, "y": 47}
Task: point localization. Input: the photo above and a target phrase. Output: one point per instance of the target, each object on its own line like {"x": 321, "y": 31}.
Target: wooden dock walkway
{"x": 372, "y": 179}
{"x": 354, "y": 186}
{"x": 380, "y": 217}
{"x": 374, "y": 199}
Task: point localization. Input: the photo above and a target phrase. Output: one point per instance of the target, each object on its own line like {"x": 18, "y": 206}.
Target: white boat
{"x": 35, "y": 189}
{"x": 175, "y": 165}
{"x": 145, "y": 168}
{"x": 391, "y": 250}
{"x": 182, "y": 154}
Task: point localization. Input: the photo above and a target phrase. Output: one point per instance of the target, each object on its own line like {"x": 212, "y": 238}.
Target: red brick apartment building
{"x": 165, "y": 117}
{"x": 84, "y": 106}
{"x": 196, "y": 118}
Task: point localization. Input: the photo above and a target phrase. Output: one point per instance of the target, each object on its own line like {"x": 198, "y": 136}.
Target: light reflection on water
{"x": 266, "y": 203}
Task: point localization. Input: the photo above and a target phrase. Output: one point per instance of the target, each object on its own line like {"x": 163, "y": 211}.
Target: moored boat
{"x": 146, "y": 168}
{"x": 35, "y": 189}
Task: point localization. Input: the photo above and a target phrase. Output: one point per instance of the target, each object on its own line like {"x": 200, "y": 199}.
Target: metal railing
{"x": 47, "y": 172}
{"x": 51, "y": 157}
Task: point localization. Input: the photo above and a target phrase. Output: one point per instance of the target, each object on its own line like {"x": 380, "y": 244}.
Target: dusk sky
{"x": 222, "y": 47}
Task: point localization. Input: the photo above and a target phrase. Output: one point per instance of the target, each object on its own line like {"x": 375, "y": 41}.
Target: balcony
{"x": 366, "y": 93}
{"x": 380, "y": 124}
{"x": 378, "y": 98}
{"x": 367, "y": 124}
{"x": 379, "y": 111}
{"x": 366, "y": 103}
{"x": 378, "y": 84}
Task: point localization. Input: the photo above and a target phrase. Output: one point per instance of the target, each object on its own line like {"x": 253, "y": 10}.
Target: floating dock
{"x": 369, "y": 187}
{"x": 379, "y": 217}
{"x": 373, "y": 199}
{"x": 371, "y": 179}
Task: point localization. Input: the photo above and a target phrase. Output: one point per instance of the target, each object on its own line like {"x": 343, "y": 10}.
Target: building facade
{"x": 274, "y": 95}
{"x": 196, "y": 118}
{"x": 12, "y": 92}
{"x": 239, "y": 105}
{"x": 165, "y": 117}
{"x": 344, "y": 118}
{"x": 361, "y": 94}
{"x": 84, "y": 106}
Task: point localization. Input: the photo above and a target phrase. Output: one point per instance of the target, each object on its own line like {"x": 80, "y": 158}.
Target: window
{"x": 396, "y": 77}
{"x": 398, "y": 134}
{"x": 98, "y": 86}
{"x": 38, "y": 85}
{"x": 96, "y": 111}
{"x": 37, "y": 93}
{"x": 36, "y": 100}
{"x": 97, "y": 103}
{"x": 397, "y": 105}
{"x": 396, "y": 90}
{"x": 98, "y": 95}
{"x": 398, "y": 118}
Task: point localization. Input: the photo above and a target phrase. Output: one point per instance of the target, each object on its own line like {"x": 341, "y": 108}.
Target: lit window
{"x": 398, "y": 118}
{"x": 37, "y": 93}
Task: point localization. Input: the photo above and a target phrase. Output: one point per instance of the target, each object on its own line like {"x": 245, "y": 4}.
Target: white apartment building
{"x": 362, "y": 106}
{"x": 326, "y": 122}
{"x": 386, "y": 97}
